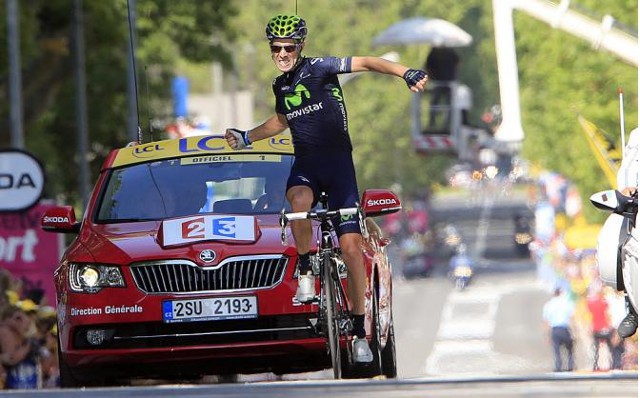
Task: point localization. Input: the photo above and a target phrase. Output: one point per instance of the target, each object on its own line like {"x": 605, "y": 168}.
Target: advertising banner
{"x": 28, "y": 253}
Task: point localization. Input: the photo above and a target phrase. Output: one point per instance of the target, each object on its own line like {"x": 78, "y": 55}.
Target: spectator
{"x": 442, "y": 64}
{"x": 600, "y": 325}
{"x": 558, "y": 314}
{"x": 442, "y": 68}
{"x": 49, "y": 359}
{"x": 19, "y": 354}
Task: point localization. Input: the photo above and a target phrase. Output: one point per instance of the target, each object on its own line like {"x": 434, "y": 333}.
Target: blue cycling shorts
{"x": 335, "y": 174}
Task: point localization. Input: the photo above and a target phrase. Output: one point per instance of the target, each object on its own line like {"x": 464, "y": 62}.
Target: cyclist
{"x": 309, "y": 101}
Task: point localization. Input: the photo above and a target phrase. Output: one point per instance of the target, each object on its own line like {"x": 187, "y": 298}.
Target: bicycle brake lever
{"x": 283, "y": 226}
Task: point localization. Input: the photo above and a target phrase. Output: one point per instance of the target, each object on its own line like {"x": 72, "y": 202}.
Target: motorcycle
{"x": 461, "y": 268}
{"x": 461, "y": 276}
{"x": 522, "y": 234}
{"x": 617, "y": 251}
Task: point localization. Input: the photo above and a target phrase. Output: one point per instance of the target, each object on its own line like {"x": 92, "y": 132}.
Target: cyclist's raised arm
{"x": 276, "y": 124}
{"x": 416, "y": 79}
{"x": 377, "y": 64}
{"x": 238, "y": 139}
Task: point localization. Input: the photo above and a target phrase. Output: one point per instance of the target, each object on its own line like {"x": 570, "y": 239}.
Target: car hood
{"x": 134, "y": 242}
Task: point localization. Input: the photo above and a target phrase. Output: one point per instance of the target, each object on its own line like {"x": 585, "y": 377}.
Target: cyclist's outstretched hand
{"x": 236, "y": 138}
{"x": 416, "y": 79}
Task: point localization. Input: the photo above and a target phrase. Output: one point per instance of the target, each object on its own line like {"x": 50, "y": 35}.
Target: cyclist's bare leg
{"x": 351, "y": 247}
{"x": 301, "y": 198}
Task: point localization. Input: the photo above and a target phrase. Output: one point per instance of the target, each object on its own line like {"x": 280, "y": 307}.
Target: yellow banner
{"x": 605, "y": 151}
{"x": 212, "y": 146}
{"x": 253, "y": 157}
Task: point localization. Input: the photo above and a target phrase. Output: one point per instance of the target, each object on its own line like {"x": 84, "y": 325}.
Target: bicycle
{"x": 334, "y": 317}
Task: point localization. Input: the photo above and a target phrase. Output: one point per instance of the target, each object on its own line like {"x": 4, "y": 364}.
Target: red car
{"x": 178, "y": 269}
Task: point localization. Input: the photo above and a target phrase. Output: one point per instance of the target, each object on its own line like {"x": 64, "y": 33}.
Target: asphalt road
{"x": 494, "y": 326}
{"x": 484, "y": 341}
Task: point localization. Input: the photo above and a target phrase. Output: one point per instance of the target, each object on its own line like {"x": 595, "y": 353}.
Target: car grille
{"x": 236, "y": 273}
{"x": 157, "y": 334}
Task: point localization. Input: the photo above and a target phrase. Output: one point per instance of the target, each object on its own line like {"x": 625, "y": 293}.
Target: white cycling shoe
{"x": 306, "y": 291}
{"x": 361, "y": 351}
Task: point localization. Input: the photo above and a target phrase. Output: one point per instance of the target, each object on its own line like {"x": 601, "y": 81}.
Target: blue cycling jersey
{"x": 311, "y": 99}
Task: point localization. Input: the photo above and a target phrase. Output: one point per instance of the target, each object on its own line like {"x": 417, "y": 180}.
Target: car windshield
{"x": 236, "y": 184}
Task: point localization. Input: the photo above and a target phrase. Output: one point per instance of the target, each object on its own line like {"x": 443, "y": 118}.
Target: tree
{"x": 560, "y": 75}
{"x": 167, "y": 32}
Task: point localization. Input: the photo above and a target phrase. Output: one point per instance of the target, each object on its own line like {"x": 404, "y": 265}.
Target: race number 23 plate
{"x": 210, "y": 309}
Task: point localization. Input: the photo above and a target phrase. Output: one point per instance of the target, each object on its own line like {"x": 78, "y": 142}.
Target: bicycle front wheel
{"x": 332, "y": 317}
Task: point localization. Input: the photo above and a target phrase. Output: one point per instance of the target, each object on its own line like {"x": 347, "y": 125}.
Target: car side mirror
{"x": 60, "y": 219}
{"x": 379, "y": 202}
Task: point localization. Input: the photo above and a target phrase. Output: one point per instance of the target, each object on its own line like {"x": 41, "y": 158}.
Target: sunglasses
{"x": 289, "y": 48}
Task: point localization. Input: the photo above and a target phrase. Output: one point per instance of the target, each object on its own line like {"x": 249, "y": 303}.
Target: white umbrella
{"x": 433, "y": 31}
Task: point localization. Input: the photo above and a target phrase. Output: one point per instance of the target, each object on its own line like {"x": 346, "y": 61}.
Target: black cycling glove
{"x": 413, "y": 76}
{"x": 242, "y": 138}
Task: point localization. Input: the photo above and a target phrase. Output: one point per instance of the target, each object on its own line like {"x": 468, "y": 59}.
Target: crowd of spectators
{"x": 598, "y": 309}
{"x": 28, "y": 337}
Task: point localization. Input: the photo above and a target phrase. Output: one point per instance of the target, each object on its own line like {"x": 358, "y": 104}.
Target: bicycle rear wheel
{"x": 332, "y": 315}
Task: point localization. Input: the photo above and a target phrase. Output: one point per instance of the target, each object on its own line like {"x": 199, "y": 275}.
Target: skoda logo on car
{"x": 380, "y": 202}
{"x": 207, "y": 255}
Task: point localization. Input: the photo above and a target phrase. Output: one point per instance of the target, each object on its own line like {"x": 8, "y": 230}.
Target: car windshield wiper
{"x": 123, "y": 220}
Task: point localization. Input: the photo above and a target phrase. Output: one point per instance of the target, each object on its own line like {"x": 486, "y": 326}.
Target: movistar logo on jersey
{"x": 294, "y": 99}
{"x": 337, "y": 94}
{"x": 304, "y": 111}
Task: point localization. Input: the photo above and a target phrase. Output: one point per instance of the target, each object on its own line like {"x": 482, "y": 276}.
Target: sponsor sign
{"x": 21, "y": 180}
{"x": 28, "y": 252}
{"x": 208, "y": 227}
{"x": 199, "y": 146}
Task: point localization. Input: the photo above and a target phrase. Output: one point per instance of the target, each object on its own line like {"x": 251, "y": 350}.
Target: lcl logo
{"x": 146, "y": 151}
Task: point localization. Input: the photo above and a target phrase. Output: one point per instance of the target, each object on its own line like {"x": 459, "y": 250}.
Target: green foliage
{"x": 378, "y": 105}
{"x": 560, "y": 76}
{"x": 167, "y": 33}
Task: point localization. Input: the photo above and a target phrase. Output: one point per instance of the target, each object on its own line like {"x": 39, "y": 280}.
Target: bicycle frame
{"x": 334, "y": 316}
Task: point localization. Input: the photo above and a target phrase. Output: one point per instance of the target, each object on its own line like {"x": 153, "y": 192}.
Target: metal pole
{"x": 509, "y": 133}
{"x": 81, "y": 100}
{"x": 15, "y": 75}
{"x": 132, "y": 95}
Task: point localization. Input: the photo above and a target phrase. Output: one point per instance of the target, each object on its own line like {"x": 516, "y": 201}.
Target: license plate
{"x": 209, "y": 309}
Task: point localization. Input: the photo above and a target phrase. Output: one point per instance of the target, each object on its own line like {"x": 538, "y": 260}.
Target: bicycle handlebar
{"x": 319, "y": 215}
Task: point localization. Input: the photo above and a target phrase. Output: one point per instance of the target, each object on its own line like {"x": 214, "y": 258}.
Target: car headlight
{"x": 91, "y": 278}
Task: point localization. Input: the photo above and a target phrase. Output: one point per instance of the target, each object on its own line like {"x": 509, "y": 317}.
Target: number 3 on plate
{"x": 225, "y": 227}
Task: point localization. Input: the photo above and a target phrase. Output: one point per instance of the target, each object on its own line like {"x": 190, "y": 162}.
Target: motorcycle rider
{"x": 309, "y": 101}
{"x": 460, "y": 259}
{"x": 629, "y": 324}
{"x": 628, "y": 178}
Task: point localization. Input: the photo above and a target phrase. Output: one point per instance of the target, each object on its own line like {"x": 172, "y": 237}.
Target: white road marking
{"x": 467, "y": 326}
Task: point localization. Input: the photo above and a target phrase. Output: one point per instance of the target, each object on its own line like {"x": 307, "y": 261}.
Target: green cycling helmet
{"x": 287, "y": 27}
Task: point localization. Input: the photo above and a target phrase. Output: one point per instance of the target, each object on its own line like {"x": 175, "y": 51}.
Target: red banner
{"x": 30, "y": 254}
